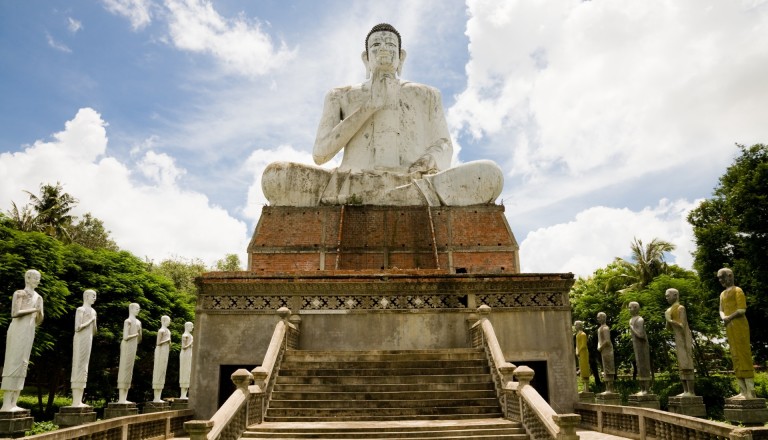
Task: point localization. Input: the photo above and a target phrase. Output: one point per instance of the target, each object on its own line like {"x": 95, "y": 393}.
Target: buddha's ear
{"x": 403, "y": 54}
{"x": 364, "y": 57}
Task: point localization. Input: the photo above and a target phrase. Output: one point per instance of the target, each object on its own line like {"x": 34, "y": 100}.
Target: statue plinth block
{"x": 116, "y": 409}
{"x": 644, "y": 401}
{"x": 15, "y": 423}
{"x": 151, "y": 407}
{"x": 608, "y": 398}
{"x": 688, "y": 406}
{"x": 358, "y": 238}
{"x": 74, "y": 416}
{"x": 586, "y": 397}
{"x": 179, "y": 404}
{"x": 748, "y": 412}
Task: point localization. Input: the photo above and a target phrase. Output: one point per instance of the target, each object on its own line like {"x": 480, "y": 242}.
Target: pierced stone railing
{"x": 152, "y": 426}
{"x": 247, "y": 404}
{"x": 645, "y": 423}
{"x": 519, "y": 400}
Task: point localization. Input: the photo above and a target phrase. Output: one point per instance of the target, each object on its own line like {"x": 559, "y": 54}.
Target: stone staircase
{"x": 436, "y": 394}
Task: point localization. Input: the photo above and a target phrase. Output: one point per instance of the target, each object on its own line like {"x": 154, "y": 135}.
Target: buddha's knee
{"x": 473, "y": 183}
{"x": 292, "y": 184}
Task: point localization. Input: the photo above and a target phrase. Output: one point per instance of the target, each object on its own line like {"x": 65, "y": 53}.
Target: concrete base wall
{"x": 236, "y": 318}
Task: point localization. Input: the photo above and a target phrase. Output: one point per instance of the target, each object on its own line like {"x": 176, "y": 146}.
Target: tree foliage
{"x": 647, "y": 261}
{"x": 230, "y": 263}
{"x": 120, "y": 278}
{"x": 731, "y": 230}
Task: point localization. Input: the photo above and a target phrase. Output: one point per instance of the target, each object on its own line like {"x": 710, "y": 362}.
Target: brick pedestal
{"x": 152, "y": 407}
{"x": 74, "y": 416}
{"x": 644, "y": 401}
{"x": 15, "y": 423}
{"x": 688, "y": 406}
{"x": 607, "y": 398}
{"x": 748, "y": 412}
{"x": 115, "y": 409}
{"x": 179, "y": 404}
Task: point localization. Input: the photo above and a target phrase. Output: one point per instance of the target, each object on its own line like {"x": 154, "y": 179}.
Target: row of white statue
{"x": 27, "y": 314}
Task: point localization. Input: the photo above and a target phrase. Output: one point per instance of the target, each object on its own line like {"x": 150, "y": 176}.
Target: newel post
{"x": 198, "y": 429}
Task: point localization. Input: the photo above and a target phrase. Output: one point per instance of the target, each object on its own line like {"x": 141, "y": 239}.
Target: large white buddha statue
{"x": 397, "y": 150}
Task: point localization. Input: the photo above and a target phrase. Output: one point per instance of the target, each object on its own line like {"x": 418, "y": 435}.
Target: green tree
{"x": 23, "y": 219}
{"x": 647, "y": 261}
{"x": 731, "y": 230}
{"x": 230, "y": 263}
{"x": 53, "y": 207}
{"x": 91, "y": 233}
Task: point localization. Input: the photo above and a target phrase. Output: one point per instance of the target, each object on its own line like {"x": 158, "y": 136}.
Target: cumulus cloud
{"x": 597, "y": 235}
{"x": 239, "y": 44}
{"x": 138, "y": 12}
{"x": 586, "y": 94}
{"x": 157, "y": 219}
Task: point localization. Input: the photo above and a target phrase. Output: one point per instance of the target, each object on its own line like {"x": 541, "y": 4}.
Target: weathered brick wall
{"x": 473, "y": 239}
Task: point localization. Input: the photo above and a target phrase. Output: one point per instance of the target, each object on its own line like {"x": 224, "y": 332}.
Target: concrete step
{"x": 383, "y": 385}
{"x": 304, "y": 372}
{"x": 379, "y": 364}
{"x": 381, "y": 394}
{"x": 394, "y": 411}
{"x": 381, "y": 417}
{"x": 375, "y": 380}
{"x": 379, "y": 403}
{"x": 384, "y": 355}
{"x": 490, "y": 428}
{"x": 382, "y": 388}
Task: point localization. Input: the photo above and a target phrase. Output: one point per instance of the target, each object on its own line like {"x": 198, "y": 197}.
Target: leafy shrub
{"x": 41, "y": 427}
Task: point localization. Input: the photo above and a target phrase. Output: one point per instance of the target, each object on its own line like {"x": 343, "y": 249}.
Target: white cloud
{"x": 598, "y": 235}
{"x": 136, "y": 11}
{"x": 74, "y": 25}
{"x": 158, "y": 219}
{"x": 575, "y": 96}
{"x": 57, "y": 44}
{"x": 239, "y": 44}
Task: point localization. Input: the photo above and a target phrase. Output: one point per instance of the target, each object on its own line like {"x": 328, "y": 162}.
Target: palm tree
{"x": 24, "y": 219}
{"x": 647, "y": 261}
{"x": 53, "y": 207}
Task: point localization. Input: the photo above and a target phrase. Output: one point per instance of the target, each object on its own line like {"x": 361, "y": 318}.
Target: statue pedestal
{"x": 586, "y": 397}
{"x": 179, "y": 404}
{"x": 688, "y": 406}
{"x": 644, "y": 401}
{"x": 608, "y": 398}
{"x": 15, "y": 423}
{"x": 152, "y": 407}
{"x": 74, "y": 416}
{"x": 115, "y": 409}
{"x": 748, "y": 412}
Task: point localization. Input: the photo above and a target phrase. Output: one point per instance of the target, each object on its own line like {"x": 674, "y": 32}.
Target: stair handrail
{"x": 519, "y": 400}
{"x": 247, "y": 404}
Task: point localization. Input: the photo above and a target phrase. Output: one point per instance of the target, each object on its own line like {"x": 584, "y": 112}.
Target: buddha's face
{"x": 634, "y": 308}
{"x": 383, "y": 51}
{"x": 725, "y": 277}
{"x": 671, "y": 296}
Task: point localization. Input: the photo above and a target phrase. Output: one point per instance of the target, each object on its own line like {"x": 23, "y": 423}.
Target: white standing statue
{"x": 185, "y": 359}
{"x": 396, "y": 146}
{"x": 26, "y": 315}
{"x": 85, "y": 329}
{"x": 162, "y": 350}
{"x": 128, "y": 346}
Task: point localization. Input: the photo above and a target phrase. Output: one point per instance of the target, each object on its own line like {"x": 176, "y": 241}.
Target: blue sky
{"x": 610, "y": 119}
